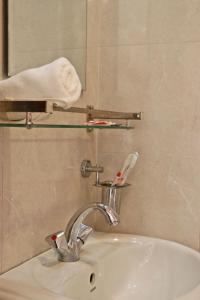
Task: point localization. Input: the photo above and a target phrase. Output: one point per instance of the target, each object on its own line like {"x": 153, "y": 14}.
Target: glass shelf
{"x": 35, "y": 125}
{"x": 29, "y": 107}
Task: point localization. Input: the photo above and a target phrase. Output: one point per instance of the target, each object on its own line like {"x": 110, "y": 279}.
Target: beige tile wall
{"x": 1, "y": 158}
{"x": 40, "y": 182}
{"x": 1, "y": 37}
{"x": 149, "y": 61}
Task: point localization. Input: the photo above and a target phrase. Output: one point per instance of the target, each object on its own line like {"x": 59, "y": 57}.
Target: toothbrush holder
{"x": 111, "y": 195}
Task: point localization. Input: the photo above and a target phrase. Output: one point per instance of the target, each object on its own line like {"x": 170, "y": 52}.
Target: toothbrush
{"x": 129, "y": 164}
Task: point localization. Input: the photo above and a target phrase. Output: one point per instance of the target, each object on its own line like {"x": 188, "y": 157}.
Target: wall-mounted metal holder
{"x": 29, "y": 106}
{"x": 111, "y": 195}
{"x": 87, "y": 169}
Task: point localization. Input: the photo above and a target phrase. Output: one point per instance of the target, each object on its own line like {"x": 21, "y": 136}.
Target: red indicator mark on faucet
{"x": 54, "y": 237}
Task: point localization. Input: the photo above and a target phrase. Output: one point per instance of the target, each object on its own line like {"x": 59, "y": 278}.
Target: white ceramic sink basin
{"x": 114, "y": 267}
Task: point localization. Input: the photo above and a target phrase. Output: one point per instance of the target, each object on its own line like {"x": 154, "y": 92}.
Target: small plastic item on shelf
{"x": 102, "y": 123}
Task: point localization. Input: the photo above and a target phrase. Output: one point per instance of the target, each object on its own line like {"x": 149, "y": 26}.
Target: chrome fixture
{"x": 68, "y": 244}
{"x": 29, "y": 120}
{"x": 87, "y": 169}
{"x": 46, "y": 106}
{"x": 111, "y": 195}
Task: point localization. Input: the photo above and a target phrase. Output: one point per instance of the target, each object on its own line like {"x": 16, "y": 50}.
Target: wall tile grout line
{"x": 148, "y": 44}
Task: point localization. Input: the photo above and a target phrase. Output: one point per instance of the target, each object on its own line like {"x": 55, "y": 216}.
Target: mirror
{"x": 40, "y": 31}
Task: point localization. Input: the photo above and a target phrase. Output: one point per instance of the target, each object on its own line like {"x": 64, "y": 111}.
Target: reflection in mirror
{"x": 39, "y": 31}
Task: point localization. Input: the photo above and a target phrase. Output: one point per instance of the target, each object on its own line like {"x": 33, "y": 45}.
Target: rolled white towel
{"x": 58, "y": 82}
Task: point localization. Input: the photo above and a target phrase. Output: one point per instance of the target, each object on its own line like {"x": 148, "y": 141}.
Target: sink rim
{"x": 98, "y": 238}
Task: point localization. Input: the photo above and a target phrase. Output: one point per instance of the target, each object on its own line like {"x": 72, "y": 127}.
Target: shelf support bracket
{"x": 30, "y": 106}
{"x": 29, "y": 120}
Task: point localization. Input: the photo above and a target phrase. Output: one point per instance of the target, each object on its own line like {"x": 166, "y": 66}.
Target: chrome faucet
{"x": 68, "y": 244}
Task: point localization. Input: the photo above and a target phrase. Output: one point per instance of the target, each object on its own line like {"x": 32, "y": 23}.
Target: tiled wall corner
{"x": 42, "y": 188}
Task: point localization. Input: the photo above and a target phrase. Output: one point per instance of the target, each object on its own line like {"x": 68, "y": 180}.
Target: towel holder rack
{"x": 30, "y": 106}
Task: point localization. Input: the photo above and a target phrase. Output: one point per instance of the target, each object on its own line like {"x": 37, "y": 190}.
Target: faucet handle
{"x": 84, "y": 233}
{"x": 55, "y": 240}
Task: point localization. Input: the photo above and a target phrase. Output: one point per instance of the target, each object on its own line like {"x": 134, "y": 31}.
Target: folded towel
{"x": 57, "y": 81}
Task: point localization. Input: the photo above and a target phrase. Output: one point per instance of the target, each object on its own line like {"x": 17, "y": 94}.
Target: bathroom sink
{"x": 116, "y": 267}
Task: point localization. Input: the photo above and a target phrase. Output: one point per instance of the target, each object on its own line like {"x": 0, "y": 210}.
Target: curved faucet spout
{"x": 74, "y": 225}
{"x": 68, "y": 244}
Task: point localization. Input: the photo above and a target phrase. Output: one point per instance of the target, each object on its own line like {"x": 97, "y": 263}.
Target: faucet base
{"x": 67, "y": 245}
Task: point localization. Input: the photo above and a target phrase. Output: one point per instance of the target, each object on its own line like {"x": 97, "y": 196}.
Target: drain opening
{"x": 92, "y": 279}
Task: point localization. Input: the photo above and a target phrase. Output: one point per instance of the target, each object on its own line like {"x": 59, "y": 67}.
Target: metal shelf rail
{"x": 31, "y": 106}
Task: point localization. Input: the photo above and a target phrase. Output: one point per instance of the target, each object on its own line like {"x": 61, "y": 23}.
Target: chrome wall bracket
{"x": 47, "y": 106}
{"x": 87, "y": 169}
{"x": 29, "y": 121}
